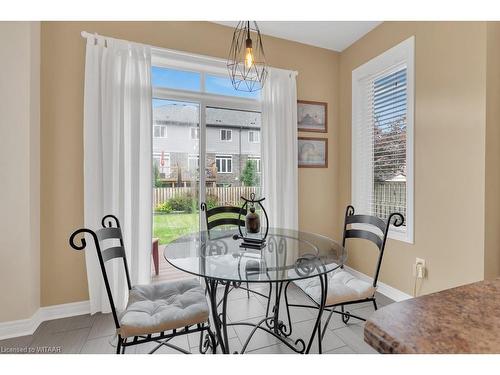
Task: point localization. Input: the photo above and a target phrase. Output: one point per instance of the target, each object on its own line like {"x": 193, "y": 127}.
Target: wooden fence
{"x": 225, "y": 195}
{"x": 389, "y": 197}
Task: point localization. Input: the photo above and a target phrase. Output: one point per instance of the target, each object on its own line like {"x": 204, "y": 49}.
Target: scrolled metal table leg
{"x": 212, "y": 295}
{"x": 317, "y": 326}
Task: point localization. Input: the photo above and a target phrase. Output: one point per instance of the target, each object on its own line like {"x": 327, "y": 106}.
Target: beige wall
{"x": 19, "y": 169}
{"x": 450, "y": 92}
{"x": 492, "y": 186}
{"x": 451, "y": 153}
{"x": 63, "y": 277}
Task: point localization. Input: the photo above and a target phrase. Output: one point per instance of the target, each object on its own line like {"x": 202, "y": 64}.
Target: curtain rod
{"x": 160, "y": 50}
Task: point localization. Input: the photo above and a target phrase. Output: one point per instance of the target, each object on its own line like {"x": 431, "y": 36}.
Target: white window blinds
{"x": 381, "y": 140}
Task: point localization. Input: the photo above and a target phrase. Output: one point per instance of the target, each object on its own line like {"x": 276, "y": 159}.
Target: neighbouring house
{"x": 233, "y": 137}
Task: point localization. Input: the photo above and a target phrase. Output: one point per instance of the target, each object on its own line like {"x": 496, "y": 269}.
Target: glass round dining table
{"x": 288, "y": 255}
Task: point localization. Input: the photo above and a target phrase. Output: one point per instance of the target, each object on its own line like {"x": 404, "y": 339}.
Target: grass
{"x": 169, "y": 227}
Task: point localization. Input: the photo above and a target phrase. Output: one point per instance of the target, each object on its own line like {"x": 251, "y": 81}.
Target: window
{"x": 193, "y": 162}
{"x": 254, "y": 136}
{"x": 256, "y": 160}
{"x": 226, "y": 135}
{"x": 160, "y": 131}
{"x": 175, "y": 79}
{"x": 194, "y": 133}
{"x": 382, "y": 137}
{"x": 223, "y": 86}
{"x": 224, "y": 163}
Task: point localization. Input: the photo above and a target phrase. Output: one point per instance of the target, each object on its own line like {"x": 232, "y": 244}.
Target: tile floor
{"x": 95, "y": 334}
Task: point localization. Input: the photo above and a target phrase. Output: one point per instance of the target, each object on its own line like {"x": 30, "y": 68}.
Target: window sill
{"x": 400, "y": 235}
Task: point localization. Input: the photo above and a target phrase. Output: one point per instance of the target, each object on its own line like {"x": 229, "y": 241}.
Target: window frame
{"x": 402, "y": 54}
{"x": 227, "y": 131}
{"x": 224, "y": 157}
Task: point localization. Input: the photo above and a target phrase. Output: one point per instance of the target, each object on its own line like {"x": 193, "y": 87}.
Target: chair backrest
{"x": 110, "y": 232}
{"x": 222, "y": 215}
{"x": 370, "y": 228}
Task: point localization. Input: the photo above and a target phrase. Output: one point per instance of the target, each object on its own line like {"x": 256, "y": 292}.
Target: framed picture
{"x": 312, "y": 116}
{"x": 313, "y": 152}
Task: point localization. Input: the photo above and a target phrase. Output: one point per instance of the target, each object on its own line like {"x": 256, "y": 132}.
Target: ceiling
{"x": 333, "y": 35}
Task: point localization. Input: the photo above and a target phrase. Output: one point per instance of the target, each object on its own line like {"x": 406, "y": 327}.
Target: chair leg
{"x": 345, "y": 318}
{"x": 327, "y": 322}
{"x": 119, "y": 345}
{"x": 248, "y": 292}
{"x": 375, "y": 304}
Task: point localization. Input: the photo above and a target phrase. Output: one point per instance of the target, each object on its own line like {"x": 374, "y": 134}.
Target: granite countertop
{"x": 465, "y": 319}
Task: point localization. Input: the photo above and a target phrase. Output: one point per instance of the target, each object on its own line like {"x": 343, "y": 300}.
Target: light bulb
{"x": 248, "y": 52}
{"x": 249, "y": 58}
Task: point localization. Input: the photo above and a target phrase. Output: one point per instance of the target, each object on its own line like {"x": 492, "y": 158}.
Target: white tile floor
{"x": 95, "y": 334}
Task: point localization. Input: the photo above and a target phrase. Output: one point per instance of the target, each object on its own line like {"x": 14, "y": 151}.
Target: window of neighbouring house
{"x": 224, "y": 163}
{"x": 193, "y": 162}
{"x": 160, "y": 131}
{"x": 382, "y": 137}
{"x": 254, "y": 136}
{"x": 161, "y": 160}
{"x": 256, "y": 161}
{"x": 226, "y": 135}
{"x": 194, "y": 133}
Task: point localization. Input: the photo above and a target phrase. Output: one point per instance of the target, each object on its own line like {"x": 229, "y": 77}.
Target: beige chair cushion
{"x": 342, "y": 287}
{"x": 159, "y": 307}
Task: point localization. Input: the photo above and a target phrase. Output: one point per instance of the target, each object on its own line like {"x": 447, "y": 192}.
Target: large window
{"x": 207, "y": 147}
{"x": 382, "y": 137}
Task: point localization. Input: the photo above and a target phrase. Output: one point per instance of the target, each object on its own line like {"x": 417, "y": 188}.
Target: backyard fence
{"x": 389, "y": 197}
{"x": 225, "y": 195}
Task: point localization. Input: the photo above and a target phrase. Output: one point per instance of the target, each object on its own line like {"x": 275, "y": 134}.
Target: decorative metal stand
{"x": 257, "y": 240}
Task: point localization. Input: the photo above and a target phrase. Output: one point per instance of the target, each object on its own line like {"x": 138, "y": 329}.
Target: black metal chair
{"x": 223, "y": 216}
{"x": 343, "y": 288}
{"x": 155, "y": 312}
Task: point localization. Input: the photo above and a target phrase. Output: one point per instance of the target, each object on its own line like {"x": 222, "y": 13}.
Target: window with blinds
{"x": 388, "y": 127}
{"x": 382, "y": 165}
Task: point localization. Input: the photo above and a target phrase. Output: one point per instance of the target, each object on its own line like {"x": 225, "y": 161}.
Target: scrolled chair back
{"x": 110, "y": 230}
{"x": 371, "y": 228}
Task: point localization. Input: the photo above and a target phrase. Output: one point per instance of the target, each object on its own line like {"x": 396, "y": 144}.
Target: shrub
{"x": 212, "y": 201}
{"x": 164, "y": 207}
{"x": 183, "y": 203}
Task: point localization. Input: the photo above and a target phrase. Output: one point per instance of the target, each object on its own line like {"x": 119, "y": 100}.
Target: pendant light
{"x": 246, "y": 62}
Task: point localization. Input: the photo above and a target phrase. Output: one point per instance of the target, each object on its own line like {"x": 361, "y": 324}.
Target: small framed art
{"x": 312, "y": 116}
{"x": 313, "y": 152}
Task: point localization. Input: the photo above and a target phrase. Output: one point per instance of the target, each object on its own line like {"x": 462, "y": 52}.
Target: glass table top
{"x": 287, "y": 255}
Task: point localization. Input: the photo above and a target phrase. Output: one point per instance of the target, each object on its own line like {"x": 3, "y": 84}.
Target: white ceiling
{"x": 334, "y": 35}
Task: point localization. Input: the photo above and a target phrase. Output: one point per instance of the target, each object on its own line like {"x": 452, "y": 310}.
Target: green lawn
{"x": 169, "y": 227}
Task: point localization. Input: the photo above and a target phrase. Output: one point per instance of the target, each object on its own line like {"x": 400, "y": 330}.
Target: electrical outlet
{"x": 419, "y": 270}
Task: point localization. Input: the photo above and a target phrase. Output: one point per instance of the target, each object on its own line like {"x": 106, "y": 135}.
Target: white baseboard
{"x": 386, "y": 290}
{"x": 28, "y": 326}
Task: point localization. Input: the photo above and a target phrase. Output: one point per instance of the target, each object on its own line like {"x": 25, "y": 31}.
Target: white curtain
{"x": 279, "y": 148}
{"x": 117, "y": 159}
